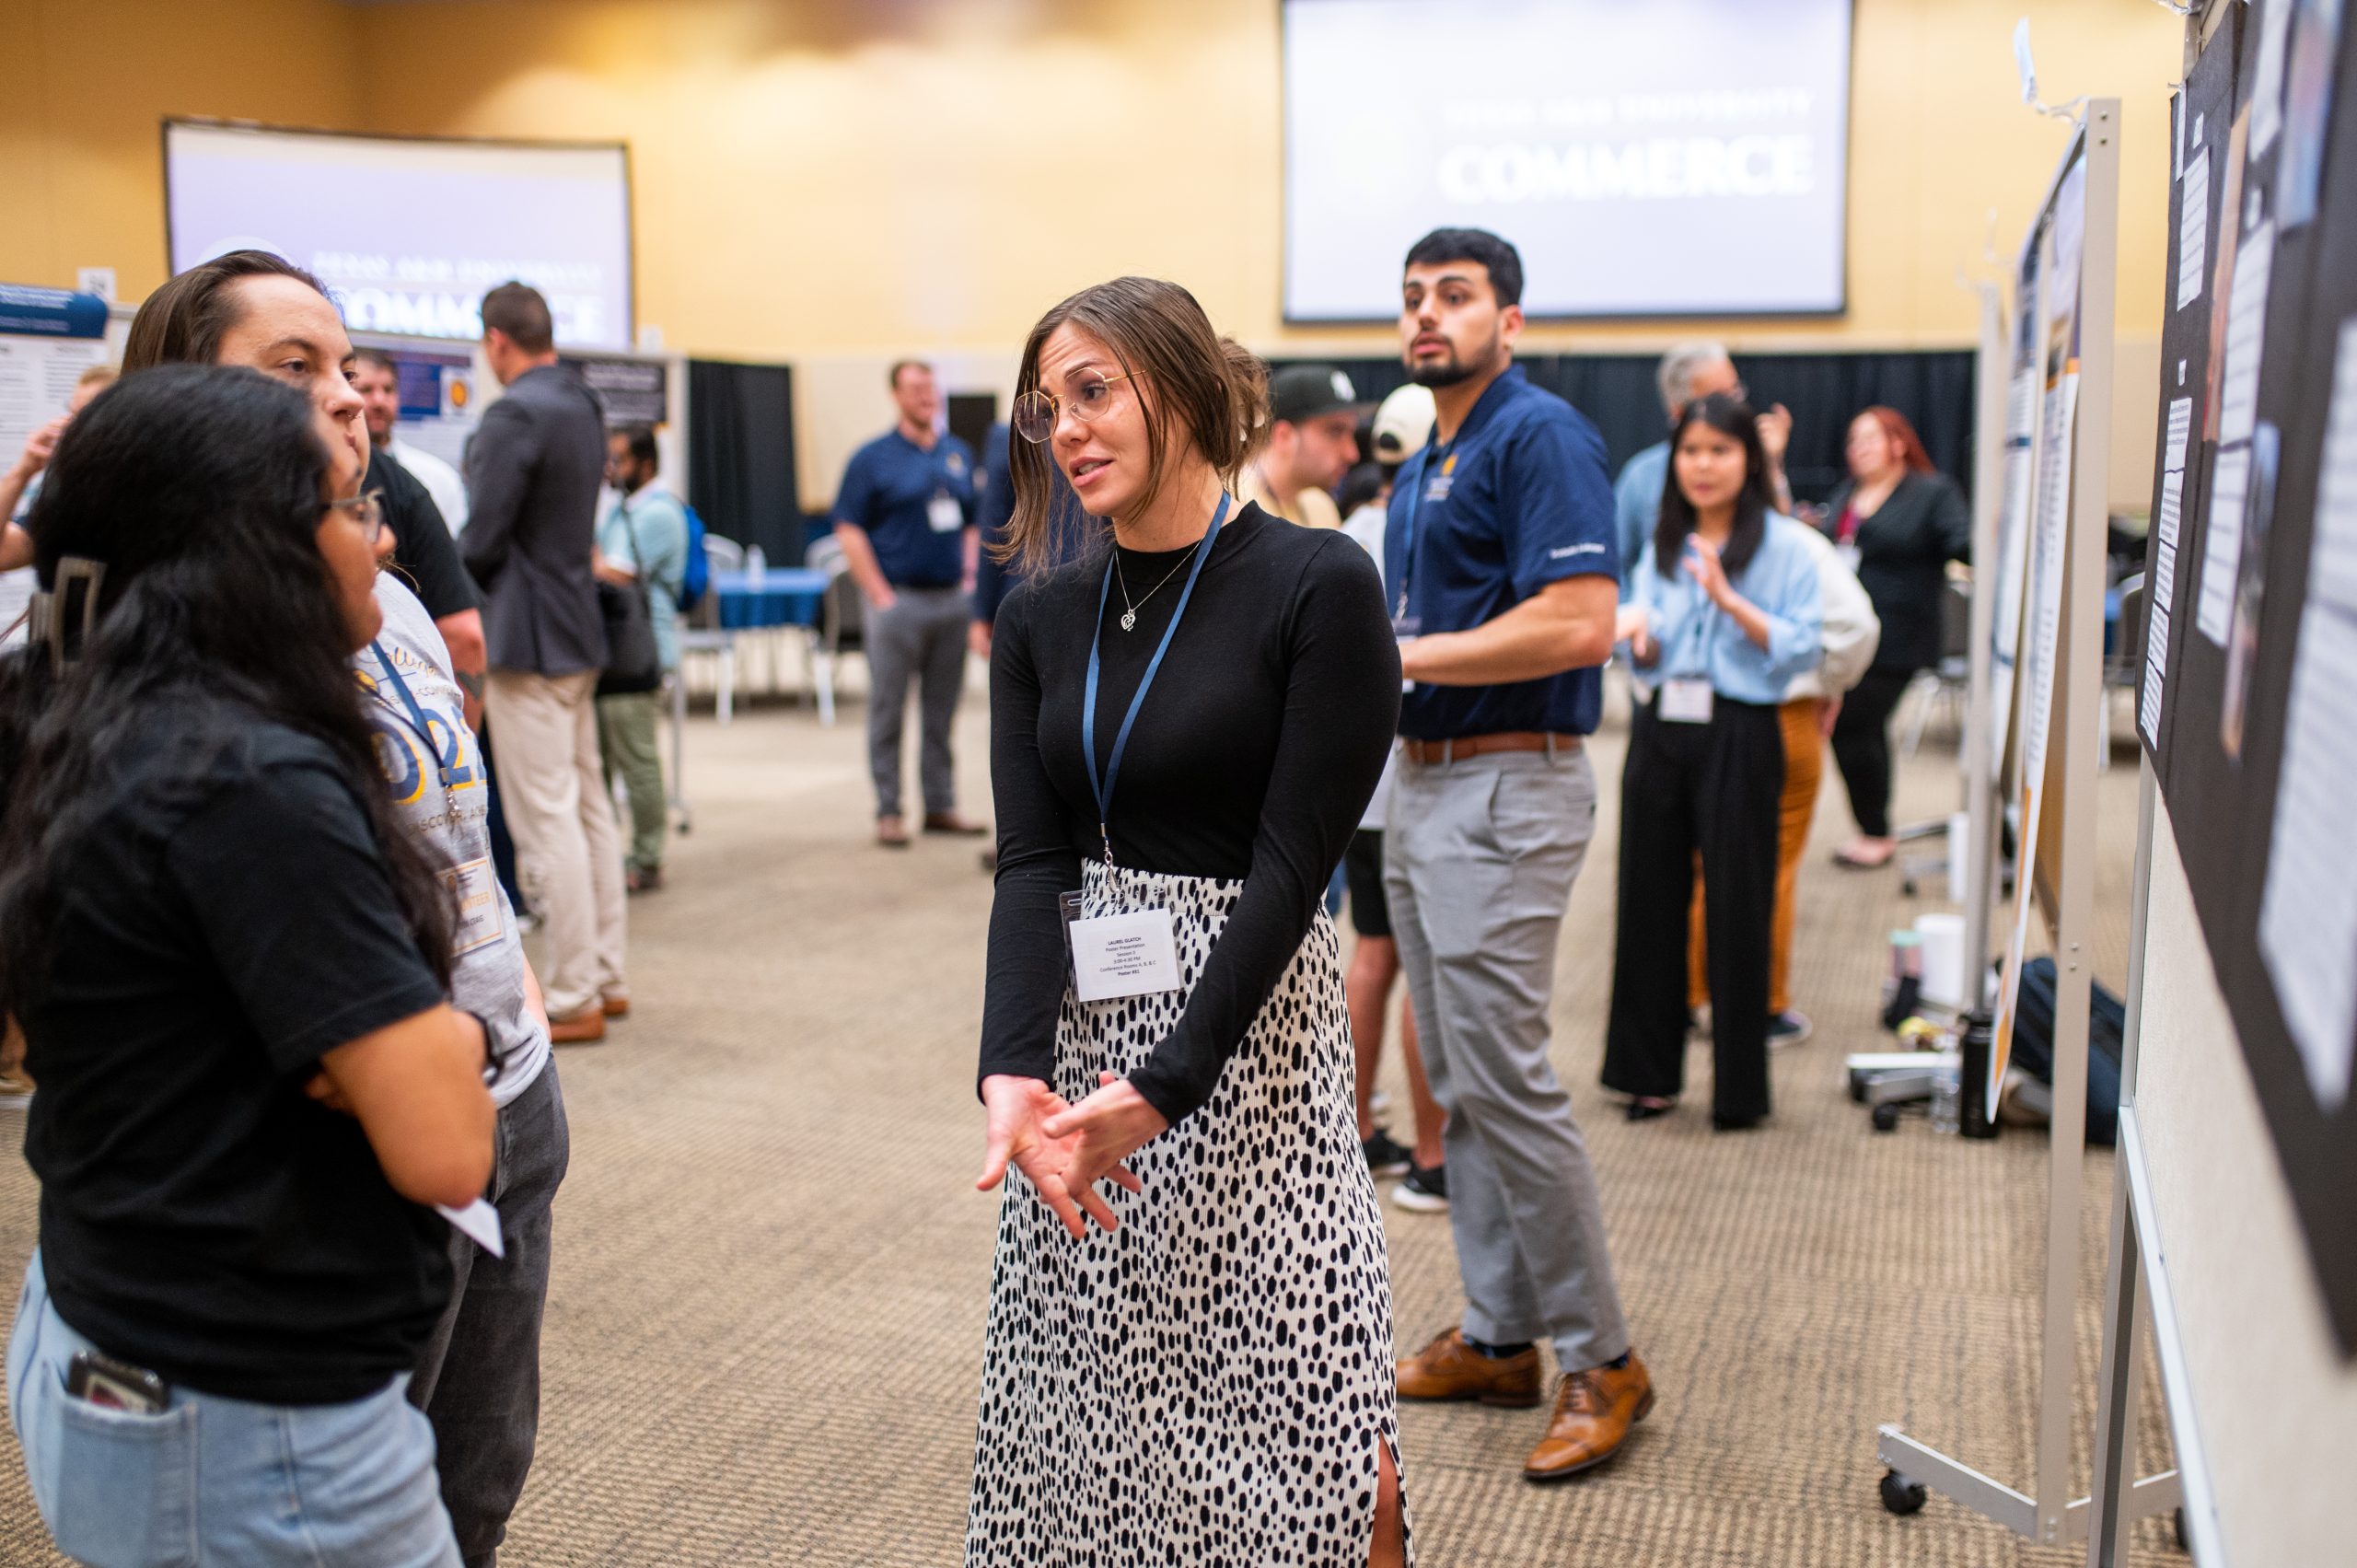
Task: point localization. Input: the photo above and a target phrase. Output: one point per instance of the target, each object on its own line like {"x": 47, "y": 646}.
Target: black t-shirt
{"x": 1253, "y": 758}
{"x": 229, "y": 921}
{"x": 423, "y": 551}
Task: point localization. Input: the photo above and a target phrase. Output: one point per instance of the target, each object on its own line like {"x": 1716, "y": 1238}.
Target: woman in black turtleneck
{"x": 1190, "y": 1346}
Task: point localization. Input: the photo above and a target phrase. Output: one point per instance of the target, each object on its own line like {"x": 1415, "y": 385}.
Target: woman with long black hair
{"x": 229, "y": 967}
{"x": 479, "y": 1381}
{"x": 1185, "y": 727}
{"x": 1722, "y": 613}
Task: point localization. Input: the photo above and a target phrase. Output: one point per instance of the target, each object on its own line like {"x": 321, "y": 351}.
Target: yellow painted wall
{"x": 840, "y": 181}
{"x": 84, "y": 85}
{"x": 849, "y": 176}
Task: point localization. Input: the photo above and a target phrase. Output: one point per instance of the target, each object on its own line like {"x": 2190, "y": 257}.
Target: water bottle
{"x": 1976, "y": 1118}
{"x": 1947, "y": 1100}
{"x": 755, "y": 564}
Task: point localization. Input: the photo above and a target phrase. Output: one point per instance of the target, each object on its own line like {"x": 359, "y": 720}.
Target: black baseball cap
{"x": 1304, "y": 391}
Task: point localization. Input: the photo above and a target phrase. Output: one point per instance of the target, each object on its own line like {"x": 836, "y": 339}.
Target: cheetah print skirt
{"x": 1207, "y": 1385}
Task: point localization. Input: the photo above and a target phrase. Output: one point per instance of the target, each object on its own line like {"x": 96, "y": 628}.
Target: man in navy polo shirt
{"x": 905, "y": 516}
{"x": 1501, "y": 561}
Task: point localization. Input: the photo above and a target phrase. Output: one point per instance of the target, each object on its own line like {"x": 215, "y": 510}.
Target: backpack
{"x": 2033, "y": 1044}
{"x": 696, "y": 581}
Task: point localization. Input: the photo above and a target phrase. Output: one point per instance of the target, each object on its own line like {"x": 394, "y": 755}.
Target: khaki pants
{"x": 627, "y": 728}
{"x": 1803, "y": 768}
{"x": 568, "y": 854}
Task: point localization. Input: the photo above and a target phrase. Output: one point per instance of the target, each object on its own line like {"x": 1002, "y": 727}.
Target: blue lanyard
{"x": 1700, "y": 627}
{"x": 1407, "y": 534}
{"x": 416, "y": 714}
{"x": 1103, "y": 786}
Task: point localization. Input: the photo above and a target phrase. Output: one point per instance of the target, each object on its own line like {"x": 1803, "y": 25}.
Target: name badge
{"x": 1123, "y": 955}
{"x": 944, "y": 513}
{"x": 476, "y": 892}
{"x": 1685, "y": 701}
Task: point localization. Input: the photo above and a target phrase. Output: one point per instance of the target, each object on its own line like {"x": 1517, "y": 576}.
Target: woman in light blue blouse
{"x": 1722, "y": 615}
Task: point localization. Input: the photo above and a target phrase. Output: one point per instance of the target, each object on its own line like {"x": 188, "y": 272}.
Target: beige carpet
{"x": 767, "y": 1317}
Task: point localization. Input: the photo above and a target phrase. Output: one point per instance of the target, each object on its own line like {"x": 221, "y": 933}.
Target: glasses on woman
{"x": 1037, "y": 412}
{"x": 367, "y": 509}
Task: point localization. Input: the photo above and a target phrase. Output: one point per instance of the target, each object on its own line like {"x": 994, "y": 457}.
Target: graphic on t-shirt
{"x": 407, "y": 757}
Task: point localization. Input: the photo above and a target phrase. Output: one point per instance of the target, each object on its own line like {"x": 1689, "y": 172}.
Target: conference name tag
{"x": 1686, "y": 700}
{"x": 944, "y": 513}
{"x": 476, "y": 890}
{"x": 1123, "y": 955}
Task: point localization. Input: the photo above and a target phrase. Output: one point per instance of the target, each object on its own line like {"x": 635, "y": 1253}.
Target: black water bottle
{"x": 1977, "y": 1109}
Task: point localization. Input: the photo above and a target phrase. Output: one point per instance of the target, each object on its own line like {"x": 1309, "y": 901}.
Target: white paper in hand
{"x": 480, "y": 1221}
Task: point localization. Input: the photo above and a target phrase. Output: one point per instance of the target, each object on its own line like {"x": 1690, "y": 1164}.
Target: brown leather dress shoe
{"x": 951, "y": 823}
{"x": 891, "y": 832}
{"x": 1448, "y": 1368}
{"x": 580, "y": 1027}
{"x": 1594, "y": 1410}
{"x": 615, "y": 1001}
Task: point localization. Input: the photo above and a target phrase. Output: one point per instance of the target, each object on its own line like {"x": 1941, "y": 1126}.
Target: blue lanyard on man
{"x": 1423, "y": 462}
{"x": 416, "y": 714}
{"x": 1103, "y": 786}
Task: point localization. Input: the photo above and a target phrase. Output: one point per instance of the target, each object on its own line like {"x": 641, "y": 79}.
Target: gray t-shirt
{"x": 436, "y": 774}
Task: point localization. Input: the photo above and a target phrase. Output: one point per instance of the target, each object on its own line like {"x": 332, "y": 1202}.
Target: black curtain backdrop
{"x": 740, "y": 455}
{"x": 1825, "y": 391}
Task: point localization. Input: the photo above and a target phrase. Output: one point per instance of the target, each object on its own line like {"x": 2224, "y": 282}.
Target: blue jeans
{"x": 215, "y": 1481}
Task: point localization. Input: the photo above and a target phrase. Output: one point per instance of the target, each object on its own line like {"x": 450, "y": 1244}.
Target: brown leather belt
{"x": 1458, "y": 748}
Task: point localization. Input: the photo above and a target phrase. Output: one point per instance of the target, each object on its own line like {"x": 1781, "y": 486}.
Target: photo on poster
{"x": 2221, "y": 269}
{"x": 2307, "y": 110}
{"x": 2250, "y": 589}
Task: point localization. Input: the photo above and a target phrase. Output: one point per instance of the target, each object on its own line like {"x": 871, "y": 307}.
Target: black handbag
{"x": 634, "y": 663}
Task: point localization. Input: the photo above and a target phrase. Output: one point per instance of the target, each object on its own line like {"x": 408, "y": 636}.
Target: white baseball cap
{"x": 1403, "y": 422}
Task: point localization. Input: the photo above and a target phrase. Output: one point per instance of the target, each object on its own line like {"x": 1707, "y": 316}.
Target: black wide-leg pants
{"x": 1711, "y": 788}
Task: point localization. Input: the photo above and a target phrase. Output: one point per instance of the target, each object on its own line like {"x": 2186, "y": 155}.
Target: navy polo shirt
{"x": 888, "y": 490}
{"x": 1518, "y": 500}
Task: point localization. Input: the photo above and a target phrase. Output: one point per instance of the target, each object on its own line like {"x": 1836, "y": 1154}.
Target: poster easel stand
{"x": 2046, "y": 1514}
{"x": 2136, "y": 1288}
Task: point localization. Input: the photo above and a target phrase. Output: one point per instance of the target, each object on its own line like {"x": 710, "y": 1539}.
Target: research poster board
{"x": 1667, "y": 126}
{"x": 2018, "y": 472}
{"x": 47, "y": 338}
{"x": 439, "y": 400}
{"x": 2049, "y": 312}
{"x": 2250, "y": 695}
{"x": 410, "y": 232}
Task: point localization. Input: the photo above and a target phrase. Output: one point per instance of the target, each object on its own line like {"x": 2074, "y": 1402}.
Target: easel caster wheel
{"x": 1900, "y": 1495}
{"x": 1886, "y": 1121}
{"x": 2182, "y": 1543}
{"x": 1858, "y": 1088}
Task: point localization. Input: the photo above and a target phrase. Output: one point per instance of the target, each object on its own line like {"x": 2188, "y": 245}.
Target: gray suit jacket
{"x": 533, "y": 471}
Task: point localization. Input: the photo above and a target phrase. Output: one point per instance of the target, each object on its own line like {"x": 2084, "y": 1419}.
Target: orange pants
{"x": 1803, "y": 767}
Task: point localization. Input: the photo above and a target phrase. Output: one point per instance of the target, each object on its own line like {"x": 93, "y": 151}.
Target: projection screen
{"x": 1675, "y": 157}
{"x": 408, "y": 233}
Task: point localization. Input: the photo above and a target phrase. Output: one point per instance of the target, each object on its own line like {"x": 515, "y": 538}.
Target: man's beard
{"x": 1454, "y": 369}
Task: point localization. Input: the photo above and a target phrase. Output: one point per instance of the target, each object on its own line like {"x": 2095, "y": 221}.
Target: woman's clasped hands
{"x": 1064, "y": 1150}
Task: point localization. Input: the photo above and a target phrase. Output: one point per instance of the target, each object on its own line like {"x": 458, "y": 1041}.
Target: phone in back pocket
{"x": 116, "y": 1385}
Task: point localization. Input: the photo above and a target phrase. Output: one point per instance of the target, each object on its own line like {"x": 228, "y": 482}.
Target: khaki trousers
{"x": 1804, "y": 770}
{"x": 568, "y": 854}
